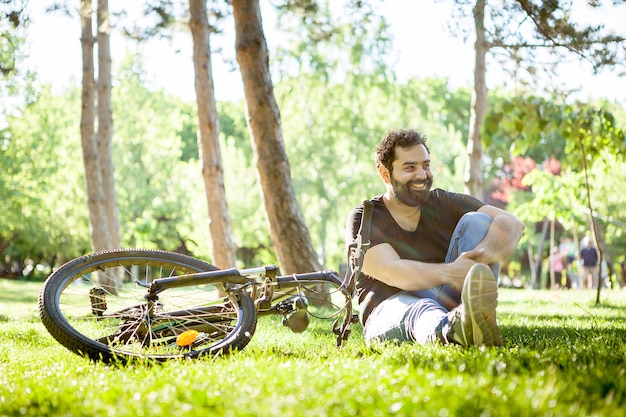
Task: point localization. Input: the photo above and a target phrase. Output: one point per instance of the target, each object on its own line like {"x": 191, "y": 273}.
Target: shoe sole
{"x": 480, "y": 298}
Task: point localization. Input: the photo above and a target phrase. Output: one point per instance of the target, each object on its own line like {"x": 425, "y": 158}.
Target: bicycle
{"x": 118, "y": 305}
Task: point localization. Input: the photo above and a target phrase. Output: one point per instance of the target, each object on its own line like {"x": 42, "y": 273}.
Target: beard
{"x": 409, "y": 196}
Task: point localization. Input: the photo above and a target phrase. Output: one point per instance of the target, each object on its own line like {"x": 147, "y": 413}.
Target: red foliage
{"x": 553, "y": 166}
{"x": 499, "y": 190}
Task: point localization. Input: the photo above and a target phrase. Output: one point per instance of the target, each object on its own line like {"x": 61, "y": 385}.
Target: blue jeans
{"x": 415, "y": 316}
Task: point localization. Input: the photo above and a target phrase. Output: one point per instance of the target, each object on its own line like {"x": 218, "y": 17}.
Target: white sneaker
{"x": 473, "y": 322}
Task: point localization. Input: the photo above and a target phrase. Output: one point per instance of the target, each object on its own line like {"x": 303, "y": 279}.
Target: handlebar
{"x": 246, "y": 276}
{"x": 289, "y": 281}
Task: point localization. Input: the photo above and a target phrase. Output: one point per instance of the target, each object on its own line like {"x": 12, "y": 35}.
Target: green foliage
{"x": 16, "y": 82}
{"x": 559, "y": 196}
{"x": 8, "y": 46}
{"x": 570, "y": 132}
{"x": 580, "y": 137}
{"x": 188, "y": 132}
{"x": 243, "y": 195}
{"x": 158, "y": 178}
{"x": 330, "y": 132}
{"x": 158, "y": 172}
{"x": 42, "y": 186}
{"x": 332, "y": 39}
{"x": 563, "y": 356}
{"x": 159, "y": 181}
{"x": 12, "y": 25}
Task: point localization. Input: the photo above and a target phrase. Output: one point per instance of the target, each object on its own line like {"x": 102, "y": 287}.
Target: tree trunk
{"x": 474, "y": 165}
{"x": 288, "y": 232}
{"x": 531, "y": 261}
{"x": 539, "y": 256}
{"x": 93, "y": 174}
{"x": 604, "y": 250}
{"x": 552, "y": 278}
{"x": 105, "y": 125}
{"x": 208, "y": 139}
{"x": 93, "y": 180}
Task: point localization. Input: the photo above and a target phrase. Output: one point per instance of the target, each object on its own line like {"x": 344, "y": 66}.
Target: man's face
{"x": 411, "y": 177}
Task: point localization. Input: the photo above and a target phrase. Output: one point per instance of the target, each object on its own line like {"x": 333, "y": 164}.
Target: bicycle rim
{"x": 96, "y": 306}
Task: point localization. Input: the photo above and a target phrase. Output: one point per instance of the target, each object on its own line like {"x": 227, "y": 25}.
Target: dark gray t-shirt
{"x": 428, "y": 243}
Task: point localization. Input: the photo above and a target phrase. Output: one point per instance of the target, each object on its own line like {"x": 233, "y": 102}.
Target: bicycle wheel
{"x": 96, "y": 306}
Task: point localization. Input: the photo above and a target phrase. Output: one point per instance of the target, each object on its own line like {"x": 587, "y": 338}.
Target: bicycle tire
{"x": 113, "y": 325}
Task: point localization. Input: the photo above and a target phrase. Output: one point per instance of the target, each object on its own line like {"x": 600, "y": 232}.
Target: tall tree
{"x": 288, "y": 232}
{"x": 169, "y": 15}
{"x": 223, "y": 247}
{"x": 93, "y": 174}
{"x": 99, "y": 230}
{"x": 104, "y": 136}
{"x": 474, "y": 167}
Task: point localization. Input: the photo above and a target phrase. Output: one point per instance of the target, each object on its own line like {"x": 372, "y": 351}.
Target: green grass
{"x": 563, "y": 356}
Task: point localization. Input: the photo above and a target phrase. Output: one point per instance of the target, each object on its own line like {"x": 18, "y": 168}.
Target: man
{"x": 589, "y": 257}
{"x": 429, "y": 274}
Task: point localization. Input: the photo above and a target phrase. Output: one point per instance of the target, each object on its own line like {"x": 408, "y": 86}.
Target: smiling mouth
{"x": 419, "y": 186}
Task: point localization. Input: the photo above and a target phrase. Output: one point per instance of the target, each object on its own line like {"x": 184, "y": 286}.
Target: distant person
{"x": 558, "y": 263}
{"x": 428, "y": 275}
{"x": 591, "y": 269}
{"x": 568, "y": 247}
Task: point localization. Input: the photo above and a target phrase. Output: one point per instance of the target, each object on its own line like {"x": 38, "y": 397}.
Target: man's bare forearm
{"x": 501, "y": 240}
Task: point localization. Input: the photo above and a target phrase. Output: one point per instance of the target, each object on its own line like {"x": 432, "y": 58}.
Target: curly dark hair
{"x": 402, "y": 138}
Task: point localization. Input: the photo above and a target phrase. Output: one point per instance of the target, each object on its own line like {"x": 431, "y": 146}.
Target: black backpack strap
{"x": 362, "y": 243}
{"x": 366, "y": 221}
{"x": 356, "y": 252}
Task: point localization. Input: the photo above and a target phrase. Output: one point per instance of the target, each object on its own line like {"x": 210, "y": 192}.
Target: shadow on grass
{"x": 545, "y": 335}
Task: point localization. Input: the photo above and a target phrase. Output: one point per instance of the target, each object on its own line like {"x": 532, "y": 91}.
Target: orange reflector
{"x": 186, "y": 338}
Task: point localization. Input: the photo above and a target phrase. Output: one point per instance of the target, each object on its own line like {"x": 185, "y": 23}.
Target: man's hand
{"x": 457, "y": 270}
{"x": 481, "y": 256}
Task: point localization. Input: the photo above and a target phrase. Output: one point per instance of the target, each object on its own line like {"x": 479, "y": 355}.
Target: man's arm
{"x": 502, "y": 237}
{"x": 384, "y": 263}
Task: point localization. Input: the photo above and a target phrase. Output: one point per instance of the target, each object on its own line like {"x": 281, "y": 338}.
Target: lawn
{"x": 563, "y": 356}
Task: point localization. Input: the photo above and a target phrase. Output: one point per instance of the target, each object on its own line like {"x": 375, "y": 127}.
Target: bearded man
{"x": 430, "y": 272}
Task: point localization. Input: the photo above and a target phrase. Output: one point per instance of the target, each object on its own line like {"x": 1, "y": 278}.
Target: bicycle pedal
{"x": 297, "y": 322}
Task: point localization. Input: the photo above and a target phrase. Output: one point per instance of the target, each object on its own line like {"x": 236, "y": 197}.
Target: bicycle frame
{"x": 263, "y": 283}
